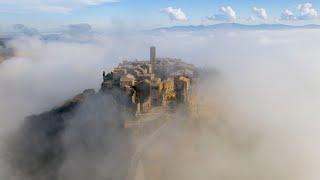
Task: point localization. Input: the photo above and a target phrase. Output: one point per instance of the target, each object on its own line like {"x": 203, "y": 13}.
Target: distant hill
{"x": 234, "y": 26}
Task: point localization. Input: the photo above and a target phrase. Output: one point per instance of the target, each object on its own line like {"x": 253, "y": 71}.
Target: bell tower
{"x": 153, "y": 57}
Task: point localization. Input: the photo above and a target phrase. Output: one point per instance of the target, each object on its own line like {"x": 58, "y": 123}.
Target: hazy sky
{"x": 46, "y": 14}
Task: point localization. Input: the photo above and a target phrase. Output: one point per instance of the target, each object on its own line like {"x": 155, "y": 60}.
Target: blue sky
{"x": 144, "y": 14}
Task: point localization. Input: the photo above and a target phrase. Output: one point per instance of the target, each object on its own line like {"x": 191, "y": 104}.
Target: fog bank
{"x": 264, "y": 100}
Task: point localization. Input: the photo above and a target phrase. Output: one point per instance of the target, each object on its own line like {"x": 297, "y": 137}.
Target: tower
{"x": 153, "y": 57}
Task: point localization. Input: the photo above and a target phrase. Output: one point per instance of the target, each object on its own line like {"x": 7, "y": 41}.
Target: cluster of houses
{"x": 142, "y": 85}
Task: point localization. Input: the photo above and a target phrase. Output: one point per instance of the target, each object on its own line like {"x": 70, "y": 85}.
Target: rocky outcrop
{"x": 77, "y": 134}
{"x": 5, "y": 51}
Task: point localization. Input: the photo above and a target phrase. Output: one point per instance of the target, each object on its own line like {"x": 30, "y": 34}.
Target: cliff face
{"x": 69, "y": 141}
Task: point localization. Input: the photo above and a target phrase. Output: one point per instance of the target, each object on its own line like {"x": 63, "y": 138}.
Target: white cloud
{"x": 229, "y": 12}
{"x": 260, "y": 13}
{"x": 226, "y": 14}
{"x": 288, "y": 15}
{"x": 96, "y": 2}
{"x": 175, "y": 14}
{"x": 51, "y": 6}
{"x": 307, "y": 12}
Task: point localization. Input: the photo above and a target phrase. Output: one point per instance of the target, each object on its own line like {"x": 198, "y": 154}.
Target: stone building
{"x": 182, "y": 88}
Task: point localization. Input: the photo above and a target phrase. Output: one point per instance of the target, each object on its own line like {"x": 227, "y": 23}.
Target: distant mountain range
{"x": 73, "y": 32}
{"x": 235, "y": 26}
{"x": 84, "y": 33}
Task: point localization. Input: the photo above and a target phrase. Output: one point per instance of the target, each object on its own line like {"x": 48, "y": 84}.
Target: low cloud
{"x": 175, "y": 14}
{"x": 259, "y": 111}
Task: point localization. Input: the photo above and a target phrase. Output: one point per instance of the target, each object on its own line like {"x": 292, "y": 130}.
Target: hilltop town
{"x": 142, "y": 92}
{"x": 135, "y": 103}
{"x": 158, "y": 82}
